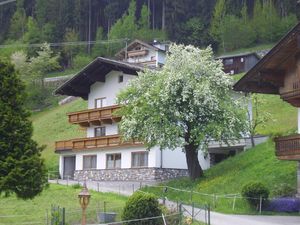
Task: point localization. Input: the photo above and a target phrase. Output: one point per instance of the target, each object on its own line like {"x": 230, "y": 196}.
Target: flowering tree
{"x": 184, "y": 105}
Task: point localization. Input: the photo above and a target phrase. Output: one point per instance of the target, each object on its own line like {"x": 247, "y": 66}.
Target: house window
{"x": 99, "y": 131}
{"x": 228, "y": 62}
{"x": 121, "y": 78}
{"x": 113, "y": 161}
{"x": 89, "y": 162}
{"x": 139, "y": 159}
{"x": 231, "y": 72}
{"x": 100, "y": 102}
{"x": 242, "y": 59}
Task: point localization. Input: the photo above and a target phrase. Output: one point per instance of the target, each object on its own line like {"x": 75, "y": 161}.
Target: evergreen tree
{"x": 99, "y": 49}
{"x": 69, "y": 51}
{"x": 22, "y": 170}
{"x": 219, "y": 13}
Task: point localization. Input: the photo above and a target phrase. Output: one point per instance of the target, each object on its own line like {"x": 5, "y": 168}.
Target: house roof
{"x": 79, "y": 85}
{"x": 239, "y": 55}
{"x": 268, "y": 74}
{"x": 133, "y": 44}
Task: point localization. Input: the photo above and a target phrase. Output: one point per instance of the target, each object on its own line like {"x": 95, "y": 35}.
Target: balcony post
{"x": 298, "y": 180}
{"x": 298, "y": 120}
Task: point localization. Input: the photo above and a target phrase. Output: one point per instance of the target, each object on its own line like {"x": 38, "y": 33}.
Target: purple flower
{"x": 284, "y": 205}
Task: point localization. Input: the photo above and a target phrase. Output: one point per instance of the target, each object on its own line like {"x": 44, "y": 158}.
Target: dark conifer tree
{"x": 22, "y": 170}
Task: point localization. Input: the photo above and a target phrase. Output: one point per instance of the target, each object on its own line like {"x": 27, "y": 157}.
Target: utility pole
{"x": 89, "y": 34}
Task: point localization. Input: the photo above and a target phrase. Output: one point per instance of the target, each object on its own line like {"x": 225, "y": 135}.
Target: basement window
{"x": 89, "y": 162}
{"x": 121, "y": 78}
{"x": 139, "y": 159}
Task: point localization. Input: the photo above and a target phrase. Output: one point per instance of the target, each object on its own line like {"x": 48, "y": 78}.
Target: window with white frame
{"x": 89, "y": 162}
{"x": 100, "y": 102}
{"x": 139, "y": 159}
{"x": 113, "y": 161}
{"x": 100, "y": 131}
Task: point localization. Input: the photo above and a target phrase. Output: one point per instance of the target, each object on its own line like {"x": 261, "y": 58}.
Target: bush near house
{"x": 253, "y": 191}
{"x": 141, "y": 205}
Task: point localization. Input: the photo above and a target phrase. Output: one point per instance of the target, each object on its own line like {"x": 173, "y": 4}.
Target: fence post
{"x": 215, "y": 201}
{"x": 119, "y": 189}
{"x": 98, "y": 186}
{"x": 180, "y": 213}
{"x": 46, "y": 216}
{"x": 104, "y": 206}
{"x": 208, "y": 212}
{"x": 260, "y": 203}
{"x": 68, "y": 180}
{"x": 132, "y": 188}
{"x": 191, "y": 196}
{"x": 233, "y": 205}
{"x": 63, "y": 216}
{"x": 193, "y": 211}
{"x": 140, "y": 185}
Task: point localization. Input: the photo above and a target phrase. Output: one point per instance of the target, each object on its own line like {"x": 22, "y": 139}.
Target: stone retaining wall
{"x": 132, "y": 174}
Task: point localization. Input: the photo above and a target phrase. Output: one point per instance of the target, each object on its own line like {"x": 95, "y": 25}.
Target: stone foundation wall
{"x": 132, "y": 174}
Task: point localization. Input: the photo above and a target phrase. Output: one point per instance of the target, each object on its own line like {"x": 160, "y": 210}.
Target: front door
{"x": 69, "y": 167}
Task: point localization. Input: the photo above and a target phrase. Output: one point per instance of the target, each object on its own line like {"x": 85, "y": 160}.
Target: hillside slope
{"x": 52, "y": 125}
{"x": 229, "y": 176}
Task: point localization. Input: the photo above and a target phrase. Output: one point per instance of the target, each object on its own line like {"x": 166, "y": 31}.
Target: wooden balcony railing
{"x": 135, "y": 53}
{"x": 292, "y": 97}
{"x": 95, "y": 117}
{"x": 288, "y": 148}
{"x": 94, "y": 143}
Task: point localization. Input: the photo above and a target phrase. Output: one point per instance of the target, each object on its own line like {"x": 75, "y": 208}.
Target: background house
{"x": 239, "y": 63}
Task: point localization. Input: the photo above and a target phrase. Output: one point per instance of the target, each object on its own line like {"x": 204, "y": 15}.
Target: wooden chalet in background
{"x": 279, "y": 73}
{"x": 239, "y": 63}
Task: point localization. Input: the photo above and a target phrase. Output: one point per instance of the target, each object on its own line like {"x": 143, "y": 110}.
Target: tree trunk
{"x": 194, "y": 168}
{"x": 252, "y": 140}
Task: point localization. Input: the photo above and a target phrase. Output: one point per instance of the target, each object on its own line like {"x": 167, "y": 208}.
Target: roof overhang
{"x": 239, "y": 55}
{"x": 80, "y": 84}
{"x": 267, "y": 76}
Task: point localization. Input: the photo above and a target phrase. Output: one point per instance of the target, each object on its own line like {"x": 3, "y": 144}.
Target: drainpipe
{"x": 161, "y": 158}
{"x": 298, "y": 169}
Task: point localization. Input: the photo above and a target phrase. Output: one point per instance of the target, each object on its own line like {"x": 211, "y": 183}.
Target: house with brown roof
{"x": 278, "y": 73}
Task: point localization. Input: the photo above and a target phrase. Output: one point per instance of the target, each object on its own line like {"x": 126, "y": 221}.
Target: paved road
{"x": 127, "y": 188}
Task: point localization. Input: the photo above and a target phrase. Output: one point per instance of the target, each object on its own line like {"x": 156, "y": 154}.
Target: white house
{"x": 102, "y": 155}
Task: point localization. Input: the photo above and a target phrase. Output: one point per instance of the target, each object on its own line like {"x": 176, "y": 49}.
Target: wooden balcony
{"x": 288, "y": 148}
{"x": 135, "y": 53}
{"x": 104, "y": 115}
{"x": 292, "y": 97}
{"x": 109, "y": 141}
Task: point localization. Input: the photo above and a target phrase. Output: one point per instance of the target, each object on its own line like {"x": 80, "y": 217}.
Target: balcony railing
{"x": 288, "y": 148}
{"x": 96, "y": 116}
{"x": 292, "y": 96}
{"x": 135, "y": 53}
{"x": 94, "y": 143}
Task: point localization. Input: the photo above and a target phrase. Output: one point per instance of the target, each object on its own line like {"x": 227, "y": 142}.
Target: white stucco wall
{"x": 108, "y": 89}
{"x": 161, "y": 57}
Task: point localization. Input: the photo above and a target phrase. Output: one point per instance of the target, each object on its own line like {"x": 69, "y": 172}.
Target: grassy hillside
{"x": 52, "y": 125}
{"x": 16, "y": 211}
{"x": 228, "y": 177}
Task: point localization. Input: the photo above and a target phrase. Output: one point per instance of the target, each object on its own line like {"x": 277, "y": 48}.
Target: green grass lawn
{"x": 63, "y": 73}
{"x": 246, "y": 50}
{"x": 228, "y": 177}
{"x": 16, "y": 211}
{"x": 52, "y": 125}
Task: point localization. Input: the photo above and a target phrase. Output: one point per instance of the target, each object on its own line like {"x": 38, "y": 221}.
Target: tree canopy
{"x": 22, "y": 169}
{"x": 184, "y": 105}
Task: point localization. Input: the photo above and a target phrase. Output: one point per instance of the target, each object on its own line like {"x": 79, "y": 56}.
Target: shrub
{"x": 253, "y": 191}
{"x": 284, "y": 190}
{"x": 284, "y": 205}
{"x": 141, "y": 205}
{"x": 76, "y": 186}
